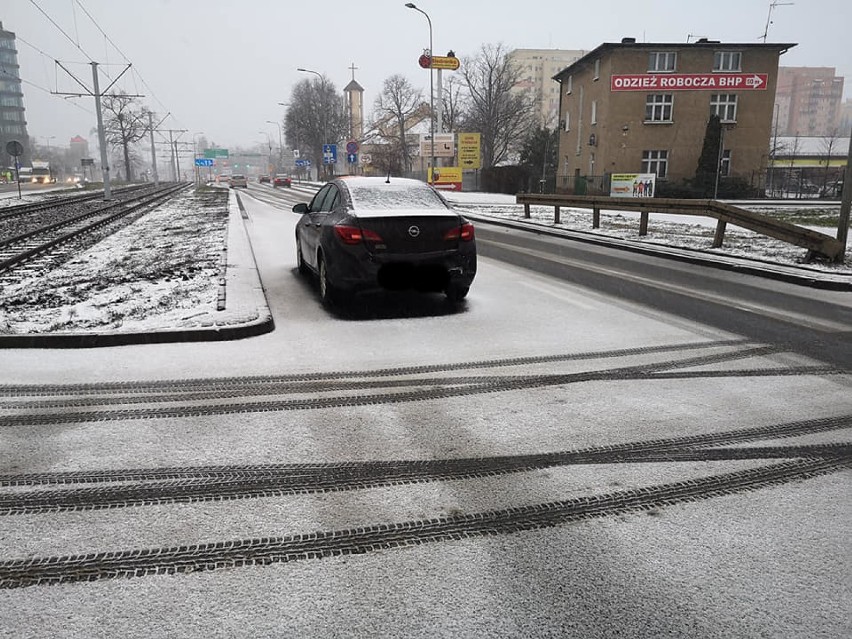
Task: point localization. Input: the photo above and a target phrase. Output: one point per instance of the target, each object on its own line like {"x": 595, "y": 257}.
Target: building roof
{"x": 630, "y": 43}
{"x": 353, "y": 86}
{"x": 802, "y": 146}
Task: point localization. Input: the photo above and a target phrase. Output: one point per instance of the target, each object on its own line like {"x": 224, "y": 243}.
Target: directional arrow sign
{"x": 689, "y": 82}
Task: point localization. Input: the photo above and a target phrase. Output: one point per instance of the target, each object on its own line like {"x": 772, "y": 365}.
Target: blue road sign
{"x": 303, "y": 162}
{"x": 203, "y": 162}
{"x": 352, "y": 158}
{"x": 329, "y": 154}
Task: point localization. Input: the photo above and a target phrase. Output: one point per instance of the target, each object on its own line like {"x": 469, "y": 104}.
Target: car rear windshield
{"x": 238, "y": 177}
{"x": 395, "y": 196}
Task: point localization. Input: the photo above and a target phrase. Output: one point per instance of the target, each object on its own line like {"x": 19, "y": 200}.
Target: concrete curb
{"x": 246, "y": 312}
{"x": 771, "y": 270}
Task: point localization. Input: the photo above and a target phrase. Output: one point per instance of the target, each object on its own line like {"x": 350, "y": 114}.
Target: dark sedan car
{"x": 363, "y": 234}
{"x": 282, "y": 180}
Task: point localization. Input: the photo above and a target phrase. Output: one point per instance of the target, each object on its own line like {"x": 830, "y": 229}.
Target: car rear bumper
{"x": 424, "y": 272}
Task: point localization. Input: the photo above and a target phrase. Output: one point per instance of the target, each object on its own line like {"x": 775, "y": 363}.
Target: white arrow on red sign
{"x": 754, "y": 81}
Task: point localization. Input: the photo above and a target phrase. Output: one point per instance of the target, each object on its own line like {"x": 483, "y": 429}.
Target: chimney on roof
{"x": 628, "y": 41}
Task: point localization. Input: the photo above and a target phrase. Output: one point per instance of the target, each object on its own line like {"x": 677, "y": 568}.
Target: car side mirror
{"x": 301, "y": 207}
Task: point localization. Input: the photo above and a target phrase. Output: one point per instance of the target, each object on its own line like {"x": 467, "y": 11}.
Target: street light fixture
{"x": 49, "y": 138}
{"x": 280, "y": 143}
{"x": 411, "y": 5}
{"x": 323, "y": 114}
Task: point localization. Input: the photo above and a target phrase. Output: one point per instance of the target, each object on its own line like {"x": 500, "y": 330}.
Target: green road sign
{"x": 215, "y": 153}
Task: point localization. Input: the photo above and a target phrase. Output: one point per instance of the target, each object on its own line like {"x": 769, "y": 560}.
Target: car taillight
{"x": 463, "y": 233}
{"x": 354, "y": 235}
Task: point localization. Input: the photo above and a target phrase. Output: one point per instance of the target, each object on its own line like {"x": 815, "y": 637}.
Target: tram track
{"x": 63, "y": 235}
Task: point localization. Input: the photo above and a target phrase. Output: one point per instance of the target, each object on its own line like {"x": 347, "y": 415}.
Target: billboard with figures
{"x": 632, "y": 185}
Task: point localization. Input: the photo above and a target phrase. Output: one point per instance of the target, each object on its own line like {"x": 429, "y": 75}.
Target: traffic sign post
{"x": 329, "y": 154}
{"x": 15, "y": 149}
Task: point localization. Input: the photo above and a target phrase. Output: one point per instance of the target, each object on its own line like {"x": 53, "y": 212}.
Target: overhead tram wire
{"x": 49, "y": 57}
{"x": 133, "y": 70}
{"x": 61, "y": 30}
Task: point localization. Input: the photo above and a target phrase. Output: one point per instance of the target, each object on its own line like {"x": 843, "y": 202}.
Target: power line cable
{"x": 61, "y": 30}
{"x": 134, "y": 70}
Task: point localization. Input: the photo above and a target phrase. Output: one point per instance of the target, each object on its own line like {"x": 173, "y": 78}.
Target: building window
{"x": 570, "y": 85}
{"x": 725, "y": 163}
{"x": 594, "y": 118}
{"x": 724, "y": 105}
{"x": 655, "y": 162}
{"x": 597, "y": 69}
{"x": 567, "y": 126}
{"x": 727, "y": 61}
{"x": 658, "y": 107}
{"x": 662, "y": 61}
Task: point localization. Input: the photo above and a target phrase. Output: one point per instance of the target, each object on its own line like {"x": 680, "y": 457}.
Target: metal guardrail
{"x": 817, "y": 244}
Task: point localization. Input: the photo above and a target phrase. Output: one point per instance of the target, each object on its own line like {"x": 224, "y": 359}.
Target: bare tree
{"x": 454, "y": 101}
{"x": 829, "y": 144}
{"x": 502, "y": 117}
{"x": 394, "y": 110}
{"x": 316, "y": 116}
{"x": 125, "y": 125}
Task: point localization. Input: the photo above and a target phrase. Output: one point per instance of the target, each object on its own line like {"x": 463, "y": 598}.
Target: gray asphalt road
{"x": 598, "y": 448}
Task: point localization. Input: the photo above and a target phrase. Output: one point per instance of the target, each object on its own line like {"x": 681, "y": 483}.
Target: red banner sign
{"x": 690, "y": 82}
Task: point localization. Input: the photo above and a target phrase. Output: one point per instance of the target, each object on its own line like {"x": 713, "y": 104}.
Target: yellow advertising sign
{"x": 445, "y": 62}
{"x": 448, "y": 178}
{"x": 469, "y": 151}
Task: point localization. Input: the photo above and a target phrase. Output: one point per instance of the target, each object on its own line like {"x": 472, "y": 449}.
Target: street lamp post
{"x": 280, "y": 144}
{"x": 323, "y": 114}
{"x": 411, "y": 5}
{"x": 269, "y": 143}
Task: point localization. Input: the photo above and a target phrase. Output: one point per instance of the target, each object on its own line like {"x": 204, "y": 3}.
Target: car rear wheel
{"x": 456, "y": 292}
{"x": 326, "y": 288}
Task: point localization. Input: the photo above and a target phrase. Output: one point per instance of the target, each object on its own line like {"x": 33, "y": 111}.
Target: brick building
{"x": 633, "y": 107}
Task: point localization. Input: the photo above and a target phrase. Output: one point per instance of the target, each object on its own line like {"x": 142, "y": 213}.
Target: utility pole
{"x": 153, "y": 148}
{"x": 845, "y": 202}
{"x": 173, "y": 151}
{"x": 95, "y": 92}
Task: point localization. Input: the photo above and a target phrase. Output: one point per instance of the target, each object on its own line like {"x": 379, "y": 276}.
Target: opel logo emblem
{"x": 414, "y": 231}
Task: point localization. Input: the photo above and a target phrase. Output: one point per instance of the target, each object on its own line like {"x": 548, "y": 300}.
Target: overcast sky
{"x": 221, "y": 68}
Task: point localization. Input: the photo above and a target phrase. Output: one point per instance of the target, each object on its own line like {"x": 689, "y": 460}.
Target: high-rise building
{"x": 13, "y": 124}
{"x": 537, "y": 68}
{"x": 845, "y": 118}
{"x": 808, "y": 101}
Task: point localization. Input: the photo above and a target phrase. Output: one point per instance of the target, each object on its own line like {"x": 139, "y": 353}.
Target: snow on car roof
{"x": 380, "y": 193}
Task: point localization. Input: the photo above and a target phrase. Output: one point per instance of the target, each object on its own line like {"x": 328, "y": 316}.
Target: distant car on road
{"x": 239, "y": 180}
{"x": 282, "y": 180}
{"x": 372, "y": 233}
{"x": 223, "y": 179}
{"x": 264, "y": 179}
